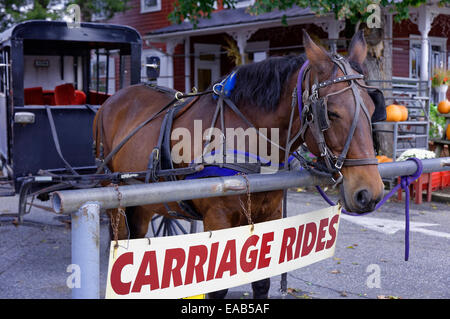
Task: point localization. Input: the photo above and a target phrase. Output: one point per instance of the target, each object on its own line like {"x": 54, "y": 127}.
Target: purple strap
{"x": 299, "y": 88}
{"x": 405, "y": 181}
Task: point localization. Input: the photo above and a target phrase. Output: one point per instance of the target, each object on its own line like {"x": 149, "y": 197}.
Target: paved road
{"x": 368, "y": 262}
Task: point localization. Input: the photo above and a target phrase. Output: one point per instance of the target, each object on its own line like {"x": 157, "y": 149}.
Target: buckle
{"x": 218, "y": 88}
{"x": 338, "y": 180}
{"x": 339, "y": 163}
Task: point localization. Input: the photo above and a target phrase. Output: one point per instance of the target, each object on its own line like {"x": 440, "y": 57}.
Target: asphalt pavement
{"x": 368, "y": 262}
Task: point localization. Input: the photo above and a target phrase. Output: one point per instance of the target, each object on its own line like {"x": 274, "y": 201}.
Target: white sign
{"x": 187, "y": 265}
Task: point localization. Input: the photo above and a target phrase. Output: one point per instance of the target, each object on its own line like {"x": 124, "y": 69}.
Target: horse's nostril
{"x": 363, "y": 198}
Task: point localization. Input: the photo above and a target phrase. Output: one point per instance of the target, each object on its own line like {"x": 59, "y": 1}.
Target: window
{"x": 4, "y": 72}
{"x": 150, "y": 6}
{"x": 256, "y": 51}
{"x": 436, "y": 55}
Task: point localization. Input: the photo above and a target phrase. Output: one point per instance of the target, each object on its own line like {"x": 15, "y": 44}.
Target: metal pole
{"x": 86, "y": 250}
{"x": 68, "y": 201}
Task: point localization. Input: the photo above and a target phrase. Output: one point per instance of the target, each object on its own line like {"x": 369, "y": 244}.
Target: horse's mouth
{"x": 350, "y": 206}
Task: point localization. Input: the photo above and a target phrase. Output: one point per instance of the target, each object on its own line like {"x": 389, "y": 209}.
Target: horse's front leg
{"x": 261, "y": 288}
{"x": 215, "y": 219}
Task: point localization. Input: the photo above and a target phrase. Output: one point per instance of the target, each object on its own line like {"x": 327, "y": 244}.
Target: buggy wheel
{"x": 166, "y": 226}
{"x": 25, "y": 190}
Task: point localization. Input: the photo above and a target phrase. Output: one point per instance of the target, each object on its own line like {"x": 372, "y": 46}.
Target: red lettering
{"x": 299, "y": 241}
{"x": 201, "y": 252}
{"x": 225, "y": 265}
{"x": 173, "y": 272}
{"x": 119, "y": 287}
{"x": 148, "y": 262}
{"x": 265, "y": 249}
{"x": 212, "y": 261}
{"x": 286, "y": 244}
{"x": 332, "y": 231}
{"x": 321, "y": 235}
{"x": 309, "y": 239}
{"x": 247, "y": 266}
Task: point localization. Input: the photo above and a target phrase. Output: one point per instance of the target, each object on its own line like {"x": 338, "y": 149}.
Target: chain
{"x": 247, "y": 210}
{"x": 115, "y": 220}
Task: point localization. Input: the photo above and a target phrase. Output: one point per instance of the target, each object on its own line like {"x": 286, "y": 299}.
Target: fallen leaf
{"x": 343, "y": 294}
{"x": 350, "y": 247}
{"x": 335, "y": 271}
{"x": 292, "y": 290}
{"x": 387, "y": 297}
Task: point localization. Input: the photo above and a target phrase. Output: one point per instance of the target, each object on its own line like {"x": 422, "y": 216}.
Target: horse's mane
{"x": 261, "y": 84}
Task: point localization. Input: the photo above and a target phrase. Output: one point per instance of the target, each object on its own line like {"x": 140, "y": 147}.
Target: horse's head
{"x": 338, "y": 113}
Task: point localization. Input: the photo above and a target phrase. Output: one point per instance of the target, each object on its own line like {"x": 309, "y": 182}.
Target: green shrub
{"x": 437, "y": 123}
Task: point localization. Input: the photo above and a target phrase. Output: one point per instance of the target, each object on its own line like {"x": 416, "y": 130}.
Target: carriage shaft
{"x": 68, "y": 201}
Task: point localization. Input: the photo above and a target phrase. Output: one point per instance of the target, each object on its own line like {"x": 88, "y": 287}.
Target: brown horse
{"x": 263, "y": 93}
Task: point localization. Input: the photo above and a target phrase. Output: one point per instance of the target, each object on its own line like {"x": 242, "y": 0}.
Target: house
{"x": 197, "y": 56}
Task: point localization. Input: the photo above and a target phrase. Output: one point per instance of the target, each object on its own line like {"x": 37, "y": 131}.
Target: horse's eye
{"x": 333, "y": 114}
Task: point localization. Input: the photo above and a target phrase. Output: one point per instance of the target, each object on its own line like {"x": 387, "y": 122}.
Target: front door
{"x": 207, "y": 65}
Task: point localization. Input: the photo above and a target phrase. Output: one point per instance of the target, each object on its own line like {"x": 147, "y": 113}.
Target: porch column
{"x": 170, "y": 50}
{"x": 424, "y": 18}
{"x": 187, "y": 64}
{"x": 388, "y": 44}
{"x": 241, "y": 38}
{"x": 333, "y": 27}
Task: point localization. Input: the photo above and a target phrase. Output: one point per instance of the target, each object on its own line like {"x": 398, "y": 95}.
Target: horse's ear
{"x": 317, "y": 56}
{"x": 357, "y": 50}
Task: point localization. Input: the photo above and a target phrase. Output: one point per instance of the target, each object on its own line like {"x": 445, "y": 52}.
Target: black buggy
{"x": 54, "y": 77}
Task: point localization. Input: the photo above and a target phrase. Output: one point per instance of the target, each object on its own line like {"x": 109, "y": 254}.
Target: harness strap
{"x": 56, "y": 141}
{"x": 131, "y": 134}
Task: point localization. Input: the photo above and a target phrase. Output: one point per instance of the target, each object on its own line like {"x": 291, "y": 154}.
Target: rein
{"x": 405, "y": 181}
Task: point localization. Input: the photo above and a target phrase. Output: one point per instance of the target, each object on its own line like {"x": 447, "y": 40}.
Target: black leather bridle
{"x": 315, "y": 118}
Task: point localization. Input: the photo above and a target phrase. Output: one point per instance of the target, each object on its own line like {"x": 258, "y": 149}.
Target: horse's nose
{"x": 364, "y": 201}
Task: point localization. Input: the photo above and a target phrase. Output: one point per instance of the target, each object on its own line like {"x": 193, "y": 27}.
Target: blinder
{"x": 321, "y": 109}
{"x": 380, "y": 105}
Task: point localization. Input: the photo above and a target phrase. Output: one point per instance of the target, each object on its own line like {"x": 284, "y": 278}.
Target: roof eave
{"x": 304, "y": 19}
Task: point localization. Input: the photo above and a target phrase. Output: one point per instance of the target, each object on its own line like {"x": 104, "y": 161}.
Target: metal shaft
{"x": 143, "y": 194}
{"x": 86, "y": 251}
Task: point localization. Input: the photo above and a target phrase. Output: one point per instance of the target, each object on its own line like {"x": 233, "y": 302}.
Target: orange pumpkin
{"x": 444, "y": 106}
{"x": 383, "y": 159}
{"x": 394, "y": 113}
{"x": 447, "y": 132}
{"x": 404, "y": 110}
{"x": 380, "y": 158}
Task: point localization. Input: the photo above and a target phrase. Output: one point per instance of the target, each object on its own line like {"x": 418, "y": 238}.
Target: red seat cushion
{"x": 49, "y": 97}
{"x": 80, "y": 98}
{"x": 34, "y": 96}
{"x": 64, "y": 94}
